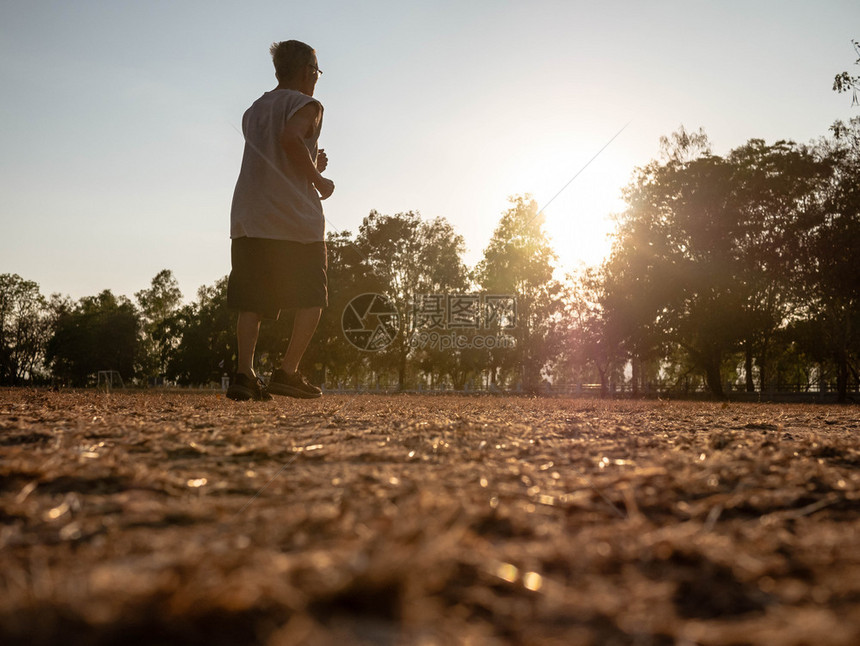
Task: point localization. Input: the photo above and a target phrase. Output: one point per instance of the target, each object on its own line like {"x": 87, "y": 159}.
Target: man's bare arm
{"x": 300, "y": 126}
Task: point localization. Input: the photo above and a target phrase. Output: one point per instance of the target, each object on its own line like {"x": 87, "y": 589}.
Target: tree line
{"x": 741, "y": 267}
{"x": 725, "y": 271}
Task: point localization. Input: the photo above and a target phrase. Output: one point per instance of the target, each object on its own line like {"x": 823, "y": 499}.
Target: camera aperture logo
{"x": 370, "y": 322}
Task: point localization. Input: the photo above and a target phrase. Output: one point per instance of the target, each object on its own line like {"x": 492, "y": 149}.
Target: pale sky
{"x": 119, "y": 141}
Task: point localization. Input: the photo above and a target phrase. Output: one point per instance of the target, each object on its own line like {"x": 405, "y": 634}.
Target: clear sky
{"x": 119, "y": 141}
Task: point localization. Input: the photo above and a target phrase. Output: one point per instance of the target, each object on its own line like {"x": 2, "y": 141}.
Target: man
{"x": 277, "y": 225}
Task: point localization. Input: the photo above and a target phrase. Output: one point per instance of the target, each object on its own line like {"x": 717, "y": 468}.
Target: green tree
{"x": 519, "y": 261}
{"x": 349, "y": 275}
{"x": 98, "y": 333}
{"x": 24, "y": 329}
{"x": 631, "y": 290}
{"x": 637, "y": 280}
{"x": 844, "y": 82}
{"x": 159, "y": 308}
{"x": 829, "y": 248}
{"x": 409, "y": 256}
{"x": 591, "y": 348}
{"x": 705, "y": 255}
{"x": 208, "y": 332}
{"x": 773, "y": 190}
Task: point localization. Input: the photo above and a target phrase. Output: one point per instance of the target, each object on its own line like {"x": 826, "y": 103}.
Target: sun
{"x": 576, "y": 177}
{"x": 577, "y": 217}
{"x": 579, "y": 221}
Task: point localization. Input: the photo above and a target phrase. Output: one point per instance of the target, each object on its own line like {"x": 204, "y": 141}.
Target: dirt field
{"x": 141, "y": 518}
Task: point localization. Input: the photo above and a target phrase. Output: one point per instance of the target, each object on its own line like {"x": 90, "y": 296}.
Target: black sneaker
{"x": 294, "y": 385}
{"x": 243, "y": 388}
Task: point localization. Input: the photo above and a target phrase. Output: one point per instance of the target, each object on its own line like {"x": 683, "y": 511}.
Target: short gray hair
{"x": 290, "y": 57}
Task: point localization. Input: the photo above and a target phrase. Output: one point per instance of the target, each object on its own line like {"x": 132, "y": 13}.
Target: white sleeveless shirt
{"x": 272, "y": 200}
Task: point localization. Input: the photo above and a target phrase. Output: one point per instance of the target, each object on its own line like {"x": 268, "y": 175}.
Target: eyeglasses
{"x": 315, "y": 69}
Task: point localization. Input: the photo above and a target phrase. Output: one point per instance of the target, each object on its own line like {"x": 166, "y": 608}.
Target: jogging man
{"x": 276, "y": 223}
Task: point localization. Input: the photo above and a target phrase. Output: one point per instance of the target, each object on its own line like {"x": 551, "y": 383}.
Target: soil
{"x": 175, "y": 518}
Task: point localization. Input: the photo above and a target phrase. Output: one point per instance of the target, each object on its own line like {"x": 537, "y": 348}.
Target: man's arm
{"x": 300, "y": 126}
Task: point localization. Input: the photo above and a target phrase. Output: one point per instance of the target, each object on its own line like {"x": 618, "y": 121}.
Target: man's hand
{"x": 322, "y": 160}
{"x": 325, "y": 187}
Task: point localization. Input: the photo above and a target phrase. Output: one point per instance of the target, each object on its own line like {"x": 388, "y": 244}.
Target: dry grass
{"x": 145, "y": 518}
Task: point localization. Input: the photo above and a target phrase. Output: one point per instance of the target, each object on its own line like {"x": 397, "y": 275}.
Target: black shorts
{"x": 273, "y": 275}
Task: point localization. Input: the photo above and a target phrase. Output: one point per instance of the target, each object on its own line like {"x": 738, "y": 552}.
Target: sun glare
{"x": 579, "y": 223}
{"x": 577, "y": 220}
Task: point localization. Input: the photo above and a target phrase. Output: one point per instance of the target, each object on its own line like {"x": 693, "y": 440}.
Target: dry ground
{"x": 146, "y": 518}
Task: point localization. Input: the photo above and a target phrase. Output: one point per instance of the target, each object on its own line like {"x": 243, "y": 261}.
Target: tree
{"x": 703, "y": 257}
{"x": 845, "y": 82}
{"x": 774, "y": 188}
{"x": 519, "y": 261}
{"x": 590, "y": 346}
{"x": 829, "y": 248}
{"x": 682, "y": 147}
{"x": 98, "y": 333}
{"x": 159, "y": 308}
{"x": 668, "y": 268}
{"x": 630, "y": 293}
{"x": 24, "y": 329}
{"x": 349, "y": 276}
{"x": 207, "y": 328}
{"x": 410, "y": 256}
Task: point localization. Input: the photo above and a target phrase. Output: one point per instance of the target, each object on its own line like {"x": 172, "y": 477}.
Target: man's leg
{"x": 247, "y": 333}
{"x": 304, "y": 326}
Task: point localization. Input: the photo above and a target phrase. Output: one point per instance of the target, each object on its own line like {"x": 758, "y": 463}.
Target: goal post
{"x": 109, "y": 379}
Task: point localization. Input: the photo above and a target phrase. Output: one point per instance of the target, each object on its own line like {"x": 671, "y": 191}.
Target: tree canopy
{"x": 845, "y": 82}
{"x": 726, "y": 271}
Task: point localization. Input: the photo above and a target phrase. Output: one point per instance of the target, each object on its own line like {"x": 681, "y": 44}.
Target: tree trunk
{"x": 842, "y": 377}
{"x": 530, "y": 374}
{"x": 635, "y": 375}
{"x": 763, "y": 376}
{"x": 458, "y": 378}
{"x": 748, "y": 368}
{"x": 714, "y": 378}
{"x": 401, "y": 371}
